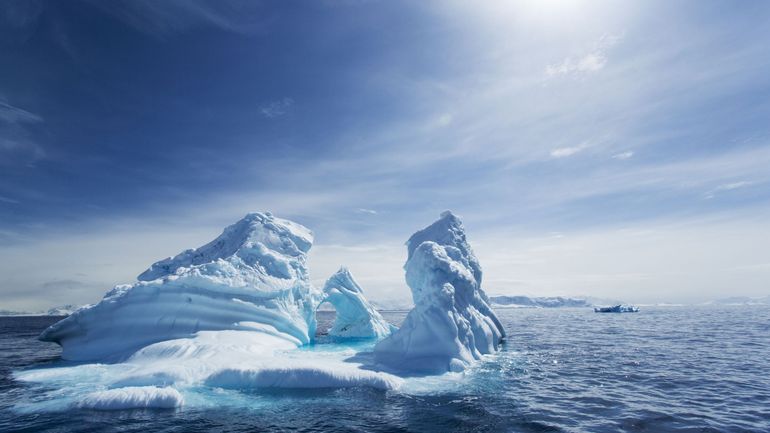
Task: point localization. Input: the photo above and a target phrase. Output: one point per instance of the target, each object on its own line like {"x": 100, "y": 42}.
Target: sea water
{"x": 687, "y": 369}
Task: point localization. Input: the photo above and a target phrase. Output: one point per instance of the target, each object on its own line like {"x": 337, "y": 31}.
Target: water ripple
{"x": 562, "y": 370}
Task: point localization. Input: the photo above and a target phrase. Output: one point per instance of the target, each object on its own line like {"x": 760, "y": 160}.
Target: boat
{"x": 617, "y": 309}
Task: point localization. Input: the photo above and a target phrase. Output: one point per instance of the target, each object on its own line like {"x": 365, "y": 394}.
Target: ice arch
{"x": 356, "y": 317}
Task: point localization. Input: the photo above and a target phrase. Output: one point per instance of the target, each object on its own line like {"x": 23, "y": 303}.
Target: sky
{"x": 592, "y": 148}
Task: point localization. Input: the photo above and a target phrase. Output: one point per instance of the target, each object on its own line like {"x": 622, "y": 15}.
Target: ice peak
{"x": 344, "y": 279}
{"x": 447, "y": 231}
{"x": 447, "y": 214}
{"x": 254, "y": 238}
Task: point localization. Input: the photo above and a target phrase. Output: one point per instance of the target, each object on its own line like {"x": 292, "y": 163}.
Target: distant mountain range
{"x": 393, "y": 304}
{"x": 63, "y": 310}
{"x": 540, "y": 302}
{"x": 740, "y": 300}
{"x": 518, "y": 301}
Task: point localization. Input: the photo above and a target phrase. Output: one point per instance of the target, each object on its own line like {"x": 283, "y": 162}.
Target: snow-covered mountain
{"x": 740, "y": 300}
{"x": 5, "y": 313}
{"x": 63, "y": 310}
{"x": 548, "y": 301}
{"x": 393, "y": 304}
{"x": 538, "y": 302}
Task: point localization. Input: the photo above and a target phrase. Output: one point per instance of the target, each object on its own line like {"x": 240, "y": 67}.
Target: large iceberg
{"x": 356, "y": 317}
{"x": 252, "y": 277}
{"x": 234, "y": 313}
{"x": 452, "y": 323}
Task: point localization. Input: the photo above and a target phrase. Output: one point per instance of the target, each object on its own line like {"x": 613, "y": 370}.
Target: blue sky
{"x": 592, "y": 148}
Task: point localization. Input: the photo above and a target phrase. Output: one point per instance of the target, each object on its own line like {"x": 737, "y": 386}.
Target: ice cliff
{"x": 452, "y": 323}
{"x": 356, "y": 317}
{"x": 252, "y": 277}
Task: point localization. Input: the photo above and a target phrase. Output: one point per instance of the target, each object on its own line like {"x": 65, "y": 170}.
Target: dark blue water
{"x": 663, "y": 369}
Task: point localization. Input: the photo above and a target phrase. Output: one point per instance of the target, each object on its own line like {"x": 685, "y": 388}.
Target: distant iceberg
{"x": 452, "y": 323}
{"x": 617, "y": 309}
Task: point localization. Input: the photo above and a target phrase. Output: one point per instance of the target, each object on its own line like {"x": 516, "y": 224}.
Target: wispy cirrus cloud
{"x": 168, "y": 17}
{"x": 623, "y": 155}
{"x": 17, "y": 142}
{"x": 276, "y": 108}
{"x": 563, "y": 152}
{"x": 593, "y": 61}
{"x": 12, "y": 114}
{"x": 727, "y": 187}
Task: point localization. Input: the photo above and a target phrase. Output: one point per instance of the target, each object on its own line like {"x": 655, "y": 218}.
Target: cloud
{"x": 20, "y": 14}
{"x": 733, "y": 185}
{"x": 366, "y": 211}
{"x": 166, "y": 17}
{"x": 277, "y": 108}
{"x": 593, "y": 61}
{"x": 564, "y": 152}
{"x": 626, "y": 262}
{"x": 64, "y": 284}
{"x": 13, "y": 115}
{"x": 17, "y": 143}
{"x": 623, "y": 155}
{"x": 727, "y": 187}
{"x": 8, "y": 200}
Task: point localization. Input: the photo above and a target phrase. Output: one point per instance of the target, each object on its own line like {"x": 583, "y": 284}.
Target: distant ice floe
{"x": 239, "y": 313}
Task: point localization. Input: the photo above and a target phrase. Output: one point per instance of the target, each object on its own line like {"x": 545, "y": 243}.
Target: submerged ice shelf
{"x": 233, "y": 313}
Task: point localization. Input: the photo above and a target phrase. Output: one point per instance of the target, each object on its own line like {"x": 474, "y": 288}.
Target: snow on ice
{"x": 239, "y": 312}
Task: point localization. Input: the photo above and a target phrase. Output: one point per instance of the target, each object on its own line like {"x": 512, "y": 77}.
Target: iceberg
{"x": 356, "y": 317}
{"x": 252, "y": 277}
{"x": 240, "y": 313}
{"x": 452, "y": 323}
{"x": 617, "y": 309}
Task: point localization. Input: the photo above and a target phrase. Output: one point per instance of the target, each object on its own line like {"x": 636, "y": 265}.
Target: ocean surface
{"x": 664, "y": 369}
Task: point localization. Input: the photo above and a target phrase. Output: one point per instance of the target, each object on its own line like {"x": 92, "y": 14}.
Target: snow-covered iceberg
{"x": 452, "y": 323}
{"x": 252, "y": 277}
{"x": 356, "y": 317}
{"x": 239, "y": 312}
